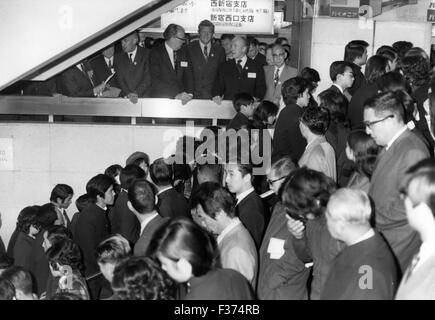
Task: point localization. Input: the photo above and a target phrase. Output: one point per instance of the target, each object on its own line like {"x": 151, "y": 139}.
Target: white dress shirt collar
{"x": 147, "y": 220}
{"x": 234, "y": 223}
{"x": 244, "y": 59}
{"x": 132, "y": 52}
{"x": 340, "y": 88}
{"x": 164, "y": 189}
{"x": 170, "y": 53}
{"x": 244, "y": 194}
{"x": 365, "y": 236}
{"x": 396, "y": 136}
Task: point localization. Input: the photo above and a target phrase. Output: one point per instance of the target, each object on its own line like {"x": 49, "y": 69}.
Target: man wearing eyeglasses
{"x": 170, "y": 68}
{"x": 277, "y": 74}
{"x": 401, "y": 149}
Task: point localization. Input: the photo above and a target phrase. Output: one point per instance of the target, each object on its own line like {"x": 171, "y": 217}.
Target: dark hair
{"x": 83, "y": 201}
{"x": 7, "y": 289}
{"x": 306, "y": 191}
{"x": 161, "y": 173}
{"x": 353, "y": 51}
{"x": 227, "y": 36}
{"x": 376, "y": 67}
{"x": 61, "y": 191}
{"x": 365, "y": 151}
{"x": 213, "y": 198}
{"x": 242, "y": 99}
{"x": 338, "y": 67}
{"x": 113, "y": 171}
{"x": 129, "y": 174}
{"x": 417, "y": 51}
{"x": 401, "y": 47}
{"x": 142, "y": 194}
{"x": 47, "y": 215}
{"x": 292, "y": 89}
{"x": 27, "y": 217}
{"x": 207, "y": 24}
{"x": 112, "y": 250}
{"x": 387, "y": 102}
{"x": 66, "y": 253}
{"x": 312, "y": 77}
{"x": 416, "y": 70}
{"x": 142, "y": 278}
{"x": 5, "y": 261}
{"x": 58, "y": 233}
{"x": 98, "y": 185}
{"x": 252, "y": 40}
{"x": 388, "y": 52}
{"x": 213, "y": 172}
{"x": 283, "y": 166}
{"x": 317, "y": 119}
{"x": 182, "y": 238}
{"x": 171, "y": 31}
{"x": 280, "y": 40}
{"x": 393, "y": 81}
{"x": 20, "y": 279}
{"x": 66, "y": 296}
{"x": 263, "y": 111}
{"x": 362, "y": 43}
{"x": 244, "y": 168}
{"x": 336, "y": 103}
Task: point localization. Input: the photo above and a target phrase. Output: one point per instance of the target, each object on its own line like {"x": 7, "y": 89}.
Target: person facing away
{"x": 319, "y": 154}
{"x": 243, "y": 103}
{"x": 205, "y": 57}
{"x": 22, "y": 282}
{"x": 366, "y": 268}
{"x": 171, "y": 203}
{"x": 142, "y": 201}
{"x": 213, "y": 208}
{"x": 401, "y": 149}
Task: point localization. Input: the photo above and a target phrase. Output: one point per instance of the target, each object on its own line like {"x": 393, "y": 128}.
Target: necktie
{"x": 175, "y": 60}
{"x": 276, "y": 78}
{"x": 205, "y": 53}
{"x": 239, "y": 65}
{"x": 65, "y": 218}
{"x": 131, "y": 57}
{"x": 110, "y": 64}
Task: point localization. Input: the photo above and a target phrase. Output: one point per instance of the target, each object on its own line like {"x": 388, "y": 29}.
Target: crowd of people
{"x": 344, "y": 210}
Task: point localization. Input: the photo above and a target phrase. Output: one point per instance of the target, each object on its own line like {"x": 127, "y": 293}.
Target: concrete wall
{"x": 47, "y": 154}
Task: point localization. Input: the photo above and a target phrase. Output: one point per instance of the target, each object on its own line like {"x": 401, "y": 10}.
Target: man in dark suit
{"x": 249, "y": 207}
{"x": 142, "y": 201}
{"x": 171, "y": 203}
{"x": 78, "y": 81}
{"x": 60, "y": 197}
{"x": 365, "y": 269}
{"x": 355, "y": 53}
{"x": 287, "y": 138}
{"x": 239, "y": 75}
{"x": 122, "y": 220}
{"x": 342, "y": 77}
{"x": 204, "y": 57}
{"x": 103, "y": 66}
{"x": 254, "y": 54}
{"x": 384, "y": 121}
{"x": 170, "y": 68}
{"x": 93, "y": 226}
{"x": 132, "y": 68}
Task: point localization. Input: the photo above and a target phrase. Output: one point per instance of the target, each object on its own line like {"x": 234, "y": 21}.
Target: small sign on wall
{"x": 6, "y": 154}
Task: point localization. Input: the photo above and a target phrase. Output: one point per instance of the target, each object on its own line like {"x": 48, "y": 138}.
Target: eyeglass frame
{"x": 270, "y": 182}
{"x": 182, "y": 39}
{"x": 369, "y": 124}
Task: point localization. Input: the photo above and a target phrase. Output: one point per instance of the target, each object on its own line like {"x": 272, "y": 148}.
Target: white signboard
{"x": 228, "y": 16}
{"x": 6, "y": 154}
